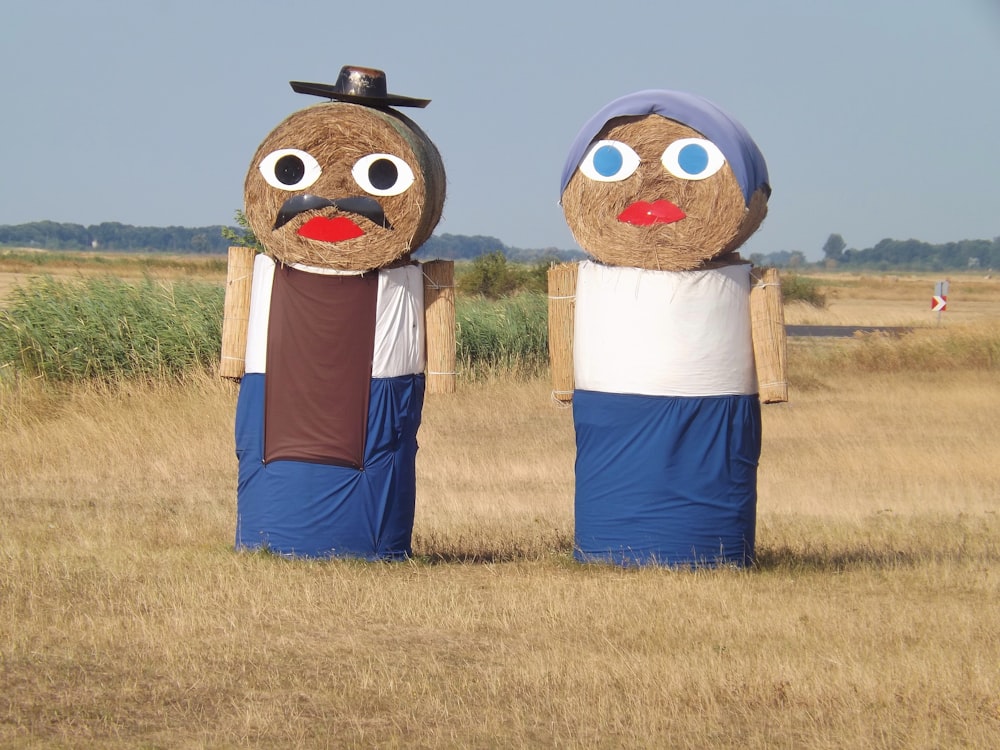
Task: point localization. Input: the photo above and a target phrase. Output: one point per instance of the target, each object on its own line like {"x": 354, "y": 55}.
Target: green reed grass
{"x": 506, "y": 337}
{"x": 107, "y": 329}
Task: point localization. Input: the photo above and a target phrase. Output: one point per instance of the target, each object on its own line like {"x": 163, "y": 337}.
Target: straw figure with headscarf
{"x": 660, "y": 188}
{"x": 333, "y": 360}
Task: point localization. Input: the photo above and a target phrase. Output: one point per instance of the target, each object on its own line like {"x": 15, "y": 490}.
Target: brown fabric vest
{"x": 320, "y": 343}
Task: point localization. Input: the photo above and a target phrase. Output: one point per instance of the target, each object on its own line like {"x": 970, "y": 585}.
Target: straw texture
{"x": 767, "y": 315}
{"x": 717, "y": 218}
{"x": 337, "y": 135}
{"x": 439, "y": 307}
{"x": 562, "y": 312}
{"x": 236, "y": 311}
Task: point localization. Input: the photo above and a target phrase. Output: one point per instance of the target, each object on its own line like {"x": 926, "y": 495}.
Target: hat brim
{"x": 330, "y": 92}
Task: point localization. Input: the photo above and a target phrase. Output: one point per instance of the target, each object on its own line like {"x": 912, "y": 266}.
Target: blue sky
{"x": 877, "y": 118}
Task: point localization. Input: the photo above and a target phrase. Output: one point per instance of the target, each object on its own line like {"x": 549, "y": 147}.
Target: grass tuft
{"x": 795, "y": 288}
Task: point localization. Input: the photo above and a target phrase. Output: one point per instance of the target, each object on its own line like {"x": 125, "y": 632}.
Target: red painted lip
{"x": 643, "y": 214}
{"x": 330, "y": 230}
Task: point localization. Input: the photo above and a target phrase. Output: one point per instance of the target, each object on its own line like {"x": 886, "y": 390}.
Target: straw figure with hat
{"x": 328, "y": 330}
{"x": 665, "y": 340}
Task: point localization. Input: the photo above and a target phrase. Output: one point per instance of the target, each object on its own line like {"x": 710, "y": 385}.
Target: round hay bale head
{"x": 716, "y": 218}
{"x": 344, "y": 186}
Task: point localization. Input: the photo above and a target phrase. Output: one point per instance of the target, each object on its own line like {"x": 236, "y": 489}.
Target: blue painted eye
{"x": 693, "y": 158}
{"x": 609, "y": 161}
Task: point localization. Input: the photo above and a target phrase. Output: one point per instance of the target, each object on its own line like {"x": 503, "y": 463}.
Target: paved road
{"x": 844, "y": 332}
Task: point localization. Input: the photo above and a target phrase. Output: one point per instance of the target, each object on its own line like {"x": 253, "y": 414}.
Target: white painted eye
{"x": 289, "y": 169}
{"x": 382, "y": 174}
{"x": 609, "y": 161}
{"x": 693, "y": 158}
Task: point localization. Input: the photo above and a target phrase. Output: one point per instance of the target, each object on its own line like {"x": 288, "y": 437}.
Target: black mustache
{"x": 360, "y": 205}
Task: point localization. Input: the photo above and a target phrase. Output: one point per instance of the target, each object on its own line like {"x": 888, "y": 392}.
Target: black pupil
{"x": 382, "y": 174}
{"x": 289, "y": 169}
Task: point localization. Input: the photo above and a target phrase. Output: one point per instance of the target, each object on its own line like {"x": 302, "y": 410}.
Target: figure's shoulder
{"x": 729, "y": 259}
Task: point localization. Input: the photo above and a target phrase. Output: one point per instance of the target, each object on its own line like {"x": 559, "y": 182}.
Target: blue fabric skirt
{"x": 666, "y": 480}
{"x": 320, "y": 510}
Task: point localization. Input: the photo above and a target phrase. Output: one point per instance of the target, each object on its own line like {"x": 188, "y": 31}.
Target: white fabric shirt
{"x": 664, "y": 333}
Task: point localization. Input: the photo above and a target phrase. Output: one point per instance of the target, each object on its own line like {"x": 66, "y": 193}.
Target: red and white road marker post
{"x": 939, "y": 302}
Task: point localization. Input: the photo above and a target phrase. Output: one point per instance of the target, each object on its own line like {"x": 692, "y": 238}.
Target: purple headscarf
{"x": 736, "y": 145}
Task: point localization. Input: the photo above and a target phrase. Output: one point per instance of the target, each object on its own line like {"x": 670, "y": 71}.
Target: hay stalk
{"x": 439, "y": 307}
{"x": 562, "y": 307}
{"x": 767, "y": 316}
{"x": 236, "y": 312}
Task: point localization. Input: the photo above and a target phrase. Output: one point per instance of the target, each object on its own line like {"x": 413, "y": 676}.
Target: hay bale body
{"x": 664, "y": 352}
{"x": 337, "y": 135}
{"x": 339, "y": 194}
{"x": 236, "y": 311}
{"x": 767, "y": 316}
{"x": 562, "y": 311}
{"x": 439, "y": 307}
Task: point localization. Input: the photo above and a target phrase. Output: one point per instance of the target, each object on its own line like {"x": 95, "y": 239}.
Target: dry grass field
{"x": 902, "y": 299}
{"x": 17, "y": 266}
{"x": 871, "y": 620}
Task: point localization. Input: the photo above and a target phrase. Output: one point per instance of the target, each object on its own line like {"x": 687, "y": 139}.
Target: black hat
{"x": 359, "y": 85}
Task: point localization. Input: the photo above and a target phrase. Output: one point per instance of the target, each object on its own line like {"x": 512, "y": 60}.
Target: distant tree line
{"x": 468, "y": 247}
{"x": 912, "y": 255}
{"x": 923, "y": 256}
{"x": 112, "y": 236}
